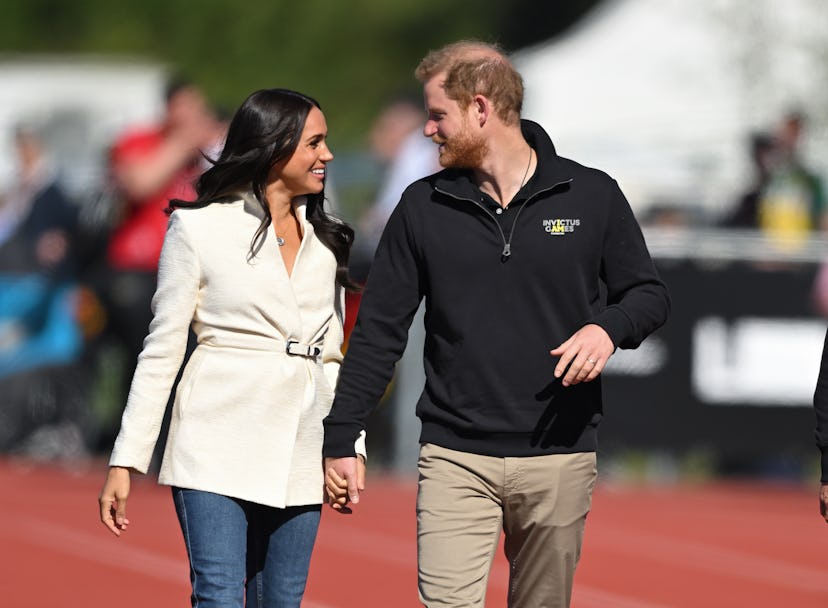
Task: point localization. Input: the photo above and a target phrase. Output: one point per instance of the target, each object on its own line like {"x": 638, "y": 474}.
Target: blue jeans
{"x": 235, "y": 545}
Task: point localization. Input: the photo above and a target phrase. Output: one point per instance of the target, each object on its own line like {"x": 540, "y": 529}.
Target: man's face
{"x": 452, "y": 128}
{"x": 186, "y": 107}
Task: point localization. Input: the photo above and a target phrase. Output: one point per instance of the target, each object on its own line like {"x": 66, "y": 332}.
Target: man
{"x": 792, "y": 202}
{"x": 512, "y": 247}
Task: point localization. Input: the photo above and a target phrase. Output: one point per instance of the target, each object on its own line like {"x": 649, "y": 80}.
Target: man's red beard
{"x": 462, "y": 151}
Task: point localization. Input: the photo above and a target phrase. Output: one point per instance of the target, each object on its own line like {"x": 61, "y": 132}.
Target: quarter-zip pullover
{"x": 501, "y": 291}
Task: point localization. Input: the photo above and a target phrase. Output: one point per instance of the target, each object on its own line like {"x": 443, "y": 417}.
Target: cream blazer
{"x": 247, "y": 417}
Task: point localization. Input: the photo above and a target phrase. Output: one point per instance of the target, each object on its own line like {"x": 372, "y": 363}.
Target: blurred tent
{"x": 663, "y": 94}
{"x": 78, "y": 104}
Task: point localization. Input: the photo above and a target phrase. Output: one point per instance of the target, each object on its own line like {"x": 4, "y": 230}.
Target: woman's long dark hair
{"x": 265, "y": 129}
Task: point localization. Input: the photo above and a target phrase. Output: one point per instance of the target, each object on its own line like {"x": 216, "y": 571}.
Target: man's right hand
{"x": 823, "y": 501}
{"x": 344, "y": 480}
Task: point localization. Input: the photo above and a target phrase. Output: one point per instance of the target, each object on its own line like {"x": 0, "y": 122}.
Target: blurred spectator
{"x": 149, "y": 166}
{"x": 37, "y": 218}
{"x": 667, "y": 215}
{"x": 792, "y": 203}
{"x": 396, "y": 139}
{"x": 761, "y": 156}
{"x": 44, "y": 411}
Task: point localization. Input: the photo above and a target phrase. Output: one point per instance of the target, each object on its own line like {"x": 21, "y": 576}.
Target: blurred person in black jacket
{"x": 45, "y": 413}
{"x": 37, "y": 218}
{"x": 761, "y": 150}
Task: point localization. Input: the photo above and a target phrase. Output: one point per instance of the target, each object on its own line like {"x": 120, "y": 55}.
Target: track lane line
{"x": 64, "y": 539}
{"x": 709, "y": 557}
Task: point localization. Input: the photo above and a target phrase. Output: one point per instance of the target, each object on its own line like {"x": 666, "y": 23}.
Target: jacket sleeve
{"x": 821, "y": 410}
{"x": 332, "y": 355}
{"x": 637, "y": 300}
{"x": 173, "y": 306}
{"x": 389, "y": 302}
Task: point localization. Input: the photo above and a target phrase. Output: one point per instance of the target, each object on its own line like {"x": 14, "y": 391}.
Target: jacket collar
{"x": 254, "y": 208}
{"x": 550, "y": 172}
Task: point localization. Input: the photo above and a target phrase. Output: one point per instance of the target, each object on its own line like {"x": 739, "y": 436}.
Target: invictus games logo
{"x": 559, "y": 227}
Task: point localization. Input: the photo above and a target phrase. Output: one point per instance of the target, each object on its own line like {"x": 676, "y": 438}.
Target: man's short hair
{"x": 474, "y": 68}
{"x": 175, "y": 84}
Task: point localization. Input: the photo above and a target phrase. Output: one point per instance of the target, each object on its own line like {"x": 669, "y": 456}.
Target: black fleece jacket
{"x": 501, "y": 291}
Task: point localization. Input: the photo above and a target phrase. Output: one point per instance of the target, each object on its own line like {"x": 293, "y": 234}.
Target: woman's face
{"x": 303, "y": 172}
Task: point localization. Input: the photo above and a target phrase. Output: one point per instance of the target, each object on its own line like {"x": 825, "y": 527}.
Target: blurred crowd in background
{"x": 77, "y": 274}
{"x": 77, "y": 266}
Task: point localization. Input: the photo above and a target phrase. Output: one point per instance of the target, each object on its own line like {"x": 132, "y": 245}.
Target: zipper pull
{"x": 507, "y": 251}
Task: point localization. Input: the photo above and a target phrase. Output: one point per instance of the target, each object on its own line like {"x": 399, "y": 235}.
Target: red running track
{"x": 677, "y": 546}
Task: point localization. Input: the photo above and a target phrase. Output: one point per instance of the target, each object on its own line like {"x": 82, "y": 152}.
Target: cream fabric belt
{"x": 293, "y": 348}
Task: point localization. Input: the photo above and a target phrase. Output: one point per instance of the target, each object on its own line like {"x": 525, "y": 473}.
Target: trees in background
{"x": 350, "y": 55}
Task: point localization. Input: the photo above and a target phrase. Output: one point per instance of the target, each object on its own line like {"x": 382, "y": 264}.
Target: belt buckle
{"x": 307, "y": 351}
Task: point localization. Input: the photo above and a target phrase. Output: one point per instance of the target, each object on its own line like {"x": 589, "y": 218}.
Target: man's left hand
{"x": 586, "y": 353}
{"x": 344, "y": 480}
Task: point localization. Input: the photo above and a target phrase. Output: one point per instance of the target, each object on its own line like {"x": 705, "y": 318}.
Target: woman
{"x": 258, "y": 268}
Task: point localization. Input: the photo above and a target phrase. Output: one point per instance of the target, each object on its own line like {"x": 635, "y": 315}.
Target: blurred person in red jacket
{"x": 149, "y": 166}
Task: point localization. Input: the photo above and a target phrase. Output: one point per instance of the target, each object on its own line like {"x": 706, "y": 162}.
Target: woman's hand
{"x": 113, "y": 500}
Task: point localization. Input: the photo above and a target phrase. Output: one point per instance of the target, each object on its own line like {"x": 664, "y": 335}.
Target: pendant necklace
{"x": 526, "y": 173}
{"x": 279, "y": 240}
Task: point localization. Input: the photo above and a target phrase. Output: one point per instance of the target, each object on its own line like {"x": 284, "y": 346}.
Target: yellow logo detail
{"x": 558, "y": 226}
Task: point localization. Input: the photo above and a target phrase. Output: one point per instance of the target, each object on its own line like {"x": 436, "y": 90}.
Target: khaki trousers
{"x": 465, "y": 500}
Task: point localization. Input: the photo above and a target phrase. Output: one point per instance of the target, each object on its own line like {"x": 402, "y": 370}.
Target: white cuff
{"x": 359, "y": 445}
